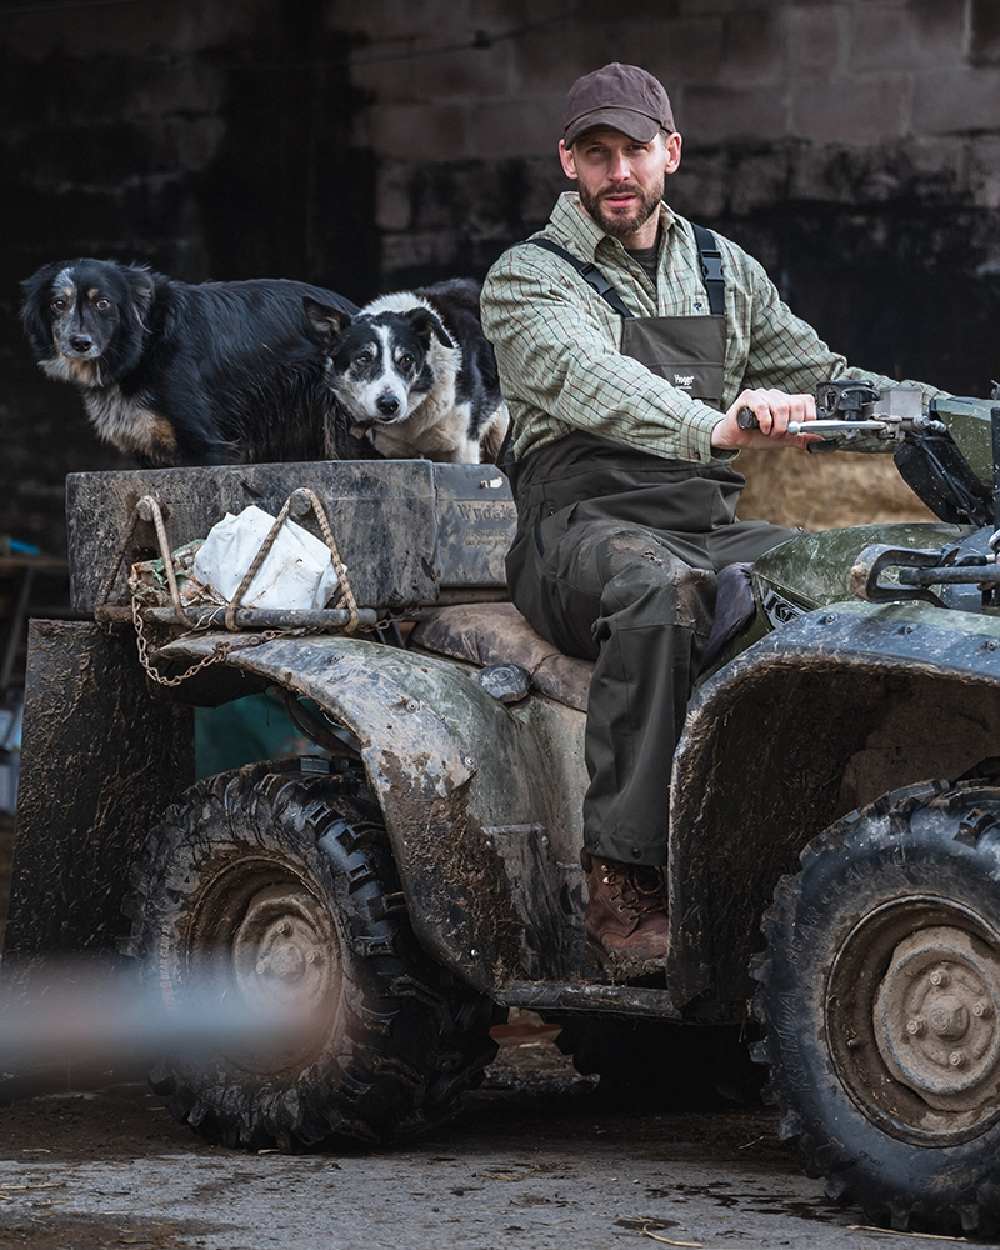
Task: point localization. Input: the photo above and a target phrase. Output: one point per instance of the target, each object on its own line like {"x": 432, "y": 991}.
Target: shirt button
{"x": 697, "y": 308}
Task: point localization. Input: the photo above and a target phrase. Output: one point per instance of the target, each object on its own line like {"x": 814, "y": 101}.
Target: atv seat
{"x": 496, "y": 633}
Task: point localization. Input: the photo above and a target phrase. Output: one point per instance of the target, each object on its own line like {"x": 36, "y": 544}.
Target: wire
{"x": 480, "y": 41}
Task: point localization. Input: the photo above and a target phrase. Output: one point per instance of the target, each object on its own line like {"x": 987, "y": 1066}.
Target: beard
{"x": 615, "y": 224}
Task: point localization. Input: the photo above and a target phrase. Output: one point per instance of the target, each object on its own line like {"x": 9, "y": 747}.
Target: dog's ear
{"x": 141, "y": 289}
{"x": 425, "y": 323}
{"x": 36, "y": 291}
{"x": 324, "y": 324}
{"x": 41, "y": 279}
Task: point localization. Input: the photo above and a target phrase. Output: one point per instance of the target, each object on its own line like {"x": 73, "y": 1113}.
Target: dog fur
{"x": 179, "y": 373}
{"x": 415, "y": 373}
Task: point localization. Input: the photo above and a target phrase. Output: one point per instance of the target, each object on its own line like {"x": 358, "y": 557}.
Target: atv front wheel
{"x": 880, "y": 995}
{"x": 279, "y": 886}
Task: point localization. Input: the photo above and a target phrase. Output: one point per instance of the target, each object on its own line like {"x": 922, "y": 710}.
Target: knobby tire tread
{"x": 411, "y": 1039}
{"x": 973, "y": 1208}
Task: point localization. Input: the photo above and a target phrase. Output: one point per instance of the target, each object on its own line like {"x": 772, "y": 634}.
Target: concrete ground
{"x": 539, "y": 1160}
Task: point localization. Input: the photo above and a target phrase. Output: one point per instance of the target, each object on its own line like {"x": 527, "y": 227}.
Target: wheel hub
{"x": 912, "y": 1005}
{"x": 269, "y": 942}
{"x": 935, "y": 1018}
{"x": 280, "y": 949}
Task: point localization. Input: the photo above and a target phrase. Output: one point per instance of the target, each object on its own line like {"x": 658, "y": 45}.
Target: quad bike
{"x": 834, "y": 850}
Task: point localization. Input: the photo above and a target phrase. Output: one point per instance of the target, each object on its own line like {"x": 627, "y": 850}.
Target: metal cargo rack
{"x": 412, "y": 533}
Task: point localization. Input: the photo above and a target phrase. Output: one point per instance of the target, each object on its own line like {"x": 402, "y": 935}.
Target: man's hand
{"x": 773, "y": 410}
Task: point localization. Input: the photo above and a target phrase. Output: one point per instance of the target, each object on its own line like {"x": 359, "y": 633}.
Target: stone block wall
{"x": 852, "y": 145}
{"x": 208, "y": 139}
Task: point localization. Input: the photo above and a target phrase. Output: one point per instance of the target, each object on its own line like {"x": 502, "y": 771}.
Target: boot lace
{"x": 640, "y": 889}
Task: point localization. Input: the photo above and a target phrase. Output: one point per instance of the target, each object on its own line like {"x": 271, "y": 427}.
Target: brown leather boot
{"x": 626, "y": 916}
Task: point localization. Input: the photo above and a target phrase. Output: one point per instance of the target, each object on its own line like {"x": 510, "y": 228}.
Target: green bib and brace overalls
{"x": 615, "y": 560}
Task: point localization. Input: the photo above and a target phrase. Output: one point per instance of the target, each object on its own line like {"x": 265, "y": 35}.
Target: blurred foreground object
{"x": 78, "y": 1017}
{"x": 824, "y": 492}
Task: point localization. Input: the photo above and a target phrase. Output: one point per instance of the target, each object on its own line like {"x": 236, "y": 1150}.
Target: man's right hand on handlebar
{"x": 773, "y": 410}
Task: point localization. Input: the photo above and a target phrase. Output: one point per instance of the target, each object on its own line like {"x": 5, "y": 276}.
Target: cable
{"x": 480, "y": 41}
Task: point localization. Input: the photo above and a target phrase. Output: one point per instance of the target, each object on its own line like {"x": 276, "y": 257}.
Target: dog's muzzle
{"x": 79, "y": 347}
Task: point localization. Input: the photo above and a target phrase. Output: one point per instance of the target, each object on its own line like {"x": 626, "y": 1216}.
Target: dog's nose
{"x": 388, "y": 405}
{"x": 80, "y": 342}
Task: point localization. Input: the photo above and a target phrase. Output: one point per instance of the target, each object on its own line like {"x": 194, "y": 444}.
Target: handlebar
{"x": 889, "y": 428}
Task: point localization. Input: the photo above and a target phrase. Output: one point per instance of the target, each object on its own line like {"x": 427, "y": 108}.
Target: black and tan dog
{"x": 181, "y": 373}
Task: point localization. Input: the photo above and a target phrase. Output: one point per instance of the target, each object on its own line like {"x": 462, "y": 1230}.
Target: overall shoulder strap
{"x": 711, "y": 270}
{"x": 588, "y": 272}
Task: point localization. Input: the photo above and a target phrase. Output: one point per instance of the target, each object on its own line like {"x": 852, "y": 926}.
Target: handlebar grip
{"x": 746, "y": 419}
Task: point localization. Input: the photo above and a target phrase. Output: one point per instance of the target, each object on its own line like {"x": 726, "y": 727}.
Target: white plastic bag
{"x": 298, "y": 571}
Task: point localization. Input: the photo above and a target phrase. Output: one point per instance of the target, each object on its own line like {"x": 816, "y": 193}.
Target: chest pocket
{"x": 687, "y": 352}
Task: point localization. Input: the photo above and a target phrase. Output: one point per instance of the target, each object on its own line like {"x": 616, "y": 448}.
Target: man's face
{"x": 620, "y": 180}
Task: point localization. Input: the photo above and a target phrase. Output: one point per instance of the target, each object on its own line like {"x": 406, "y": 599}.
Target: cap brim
{"x": 637, "y": 126}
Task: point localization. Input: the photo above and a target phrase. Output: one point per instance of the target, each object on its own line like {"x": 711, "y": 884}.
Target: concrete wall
{"x": 852, "y": 145}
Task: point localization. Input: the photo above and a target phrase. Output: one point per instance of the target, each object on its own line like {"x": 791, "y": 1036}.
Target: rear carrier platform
{"x": 411, "y": 532}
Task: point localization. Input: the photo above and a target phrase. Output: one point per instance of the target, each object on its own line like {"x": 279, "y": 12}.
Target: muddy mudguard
{"x": 820, "y": 717}
{"x": 101, "y": 760}
{"x": 446, "y": 762}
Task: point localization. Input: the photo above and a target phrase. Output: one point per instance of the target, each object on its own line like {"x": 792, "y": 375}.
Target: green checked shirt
{"x": 558, "y": 342}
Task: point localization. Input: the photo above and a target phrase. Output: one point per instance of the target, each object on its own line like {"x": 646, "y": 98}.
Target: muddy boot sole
{"x": 628, "y": 969}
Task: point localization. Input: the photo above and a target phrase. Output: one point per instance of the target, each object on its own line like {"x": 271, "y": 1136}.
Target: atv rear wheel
{"x": 880, "y": 994}
{"x": 280, "y": 887}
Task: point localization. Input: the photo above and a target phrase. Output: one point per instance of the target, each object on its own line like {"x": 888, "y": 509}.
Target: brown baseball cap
{"x": 622, "y": 96}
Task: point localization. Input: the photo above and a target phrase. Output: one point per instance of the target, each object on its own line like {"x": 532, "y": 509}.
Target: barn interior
{"x": 854, "y": 148}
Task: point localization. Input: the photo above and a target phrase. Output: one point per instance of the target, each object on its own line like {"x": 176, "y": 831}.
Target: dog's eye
{"x": 365, "y": 357}
{"x": 102, "y": 304}
{"x": 406, "y": 361}
{"x": 58, "y": 304}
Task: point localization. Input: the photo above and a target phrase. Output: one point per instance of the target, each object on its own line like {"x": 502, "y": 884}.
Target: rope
{"x": 150, "y": 504}
{"x": 345, "y": 592}
{"x": 263, "y": 551}
{"x": 148, "y": 508}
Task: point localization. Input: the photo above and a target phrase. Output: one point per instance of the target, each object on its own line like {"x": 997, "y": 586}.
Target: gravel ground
{"x": 538, "y": 1160}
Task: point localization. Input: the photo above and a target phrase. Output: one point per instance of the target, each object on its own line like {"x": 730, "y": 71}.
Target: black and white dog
{"x": 414, "y": 371}
{"x": 180, "y": 373}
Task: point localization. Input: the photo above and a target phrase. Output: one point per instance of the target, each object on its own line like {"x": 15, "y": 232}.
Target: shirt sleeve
{"x": 555, "y": 356}
{"x": 787, "y": 354}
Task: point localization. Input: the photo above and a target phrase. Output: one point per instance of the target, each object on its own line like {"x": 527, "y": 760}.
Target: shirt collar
{"x": 578, "y": 229}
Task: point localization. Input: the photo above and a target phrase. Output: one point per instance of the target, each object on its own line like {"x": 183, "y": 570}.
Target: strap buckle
{"x": 711, "y": 266}
{"x": 596, "y": 279}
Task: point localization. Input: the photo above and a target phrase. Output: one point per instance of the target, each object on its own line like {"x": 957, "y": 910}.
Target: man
{"x": 628, "y": 341}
